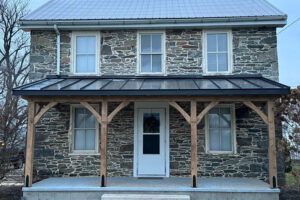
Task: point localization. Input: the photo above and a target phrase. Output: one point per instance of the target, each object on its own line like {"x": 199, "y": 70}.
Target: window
{"x": 220, "y": 136}
{"x": 151, "y": 52}
{"x": 85, "y": 52}
{"x": 84, "y": 130}
{"x": 217, "y": 51}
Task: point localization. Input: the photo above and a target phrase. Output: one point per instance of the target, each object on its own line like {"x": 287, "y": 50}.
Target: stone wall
{"x": 53, "y": 156}
{"x": 254, "y": 51}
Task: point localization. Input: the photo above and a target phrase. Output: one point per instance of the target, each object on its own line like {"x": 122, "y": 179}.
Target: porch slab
{"x": 218, "y": 184}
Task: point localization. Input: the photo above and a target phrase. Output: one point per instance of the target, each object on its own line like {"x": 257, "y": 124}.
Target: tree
{"x": 14, "y": 67}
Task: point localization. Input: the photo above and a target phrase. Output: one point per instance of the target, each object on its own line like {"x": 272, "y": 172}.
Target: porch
{"x": 217, "y": 188}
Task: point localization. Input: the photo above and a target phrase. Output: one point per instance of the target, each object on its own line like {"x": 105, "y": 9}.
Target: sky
{"x": 288, "y": 40}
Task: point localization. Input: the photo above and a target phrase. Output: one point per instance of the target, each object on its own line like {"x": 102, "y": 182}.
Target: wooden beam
{"x": 118, "y": 109}
{"x": 257, "y": 110}
{"x": 93, "y": 111}
{"x": 206, "y": 110}
{"x": 43, "y": 111}
{"x": 272, "y": 146}
{"x": 29, "y": 144}
{"x": 194, "y": 144}
{"x": 103, "y": 171}
{"x": 177, "y": 98}
{"x": 183, "y": 113}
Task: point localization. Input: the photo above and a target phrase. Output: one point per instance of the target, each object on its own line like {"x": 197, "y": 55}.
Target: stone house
{"x": 159, "y": 97}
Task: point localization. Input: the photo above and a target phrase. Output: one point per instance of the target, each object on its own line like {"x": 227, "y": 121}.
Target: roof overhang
{"x": 271, "y": 21}
{"x": 152, "y": 86}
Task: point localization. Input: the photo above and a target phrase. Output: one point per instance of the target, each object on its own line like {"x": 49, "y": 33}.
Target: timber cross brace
{"x": 193, "y": 119}
{"x": 104, "y": 119}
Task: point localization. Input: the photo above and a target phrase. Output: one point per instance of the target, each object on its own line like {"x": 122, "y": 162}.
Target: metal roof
{"x": 151, "y": 9}
{"x": 153, "y": 85}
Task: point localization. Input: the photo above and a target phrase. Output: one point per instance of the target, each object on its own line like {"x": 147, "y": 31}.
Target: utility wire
{"x": 289, "y": 25}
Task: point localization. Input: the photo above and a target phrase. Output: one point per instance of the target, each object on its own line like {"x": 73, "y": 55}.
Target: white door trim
{"x": 153, "y": 105}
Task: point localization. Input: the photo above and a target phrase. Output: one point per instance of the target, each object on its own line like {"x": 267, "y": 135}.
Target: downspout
{"x": 58, "y": 50}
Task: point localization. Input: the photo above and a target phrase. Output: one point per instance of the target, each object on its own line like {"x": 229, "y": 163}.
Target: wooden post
{"x": 272, "y": 146}
{"x": 194, "y": 151}
{"x": 29, "y": 144}
{"x": 104, "y": 123}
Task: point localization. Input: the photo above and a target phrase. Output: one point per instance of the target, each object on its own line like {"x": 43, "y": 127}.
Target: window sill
{"x": 84, "y": 154}
{"x": 220, "y": 152}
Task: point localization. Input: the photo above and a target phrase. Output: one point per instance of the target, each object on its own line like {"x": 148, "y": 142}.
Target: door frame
{"x": 151, "y": 105}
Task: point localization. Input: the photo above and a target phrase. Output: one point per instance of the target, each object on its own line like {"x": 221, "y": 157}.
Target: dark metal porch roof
{"x": 153, "y": 85}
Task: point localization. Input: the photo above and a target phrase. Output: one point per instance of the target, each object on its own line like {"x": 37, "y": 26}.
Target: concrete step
{"x": 144, "y": 197}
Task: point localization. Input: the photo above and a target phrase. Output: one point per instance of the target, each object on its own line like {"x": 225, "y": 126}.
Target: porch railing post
{"x": 30, "y": 144}
{"x": 103, "y": 161}
{"x": 272, "y": 146}
{"x": 194, "y": 151}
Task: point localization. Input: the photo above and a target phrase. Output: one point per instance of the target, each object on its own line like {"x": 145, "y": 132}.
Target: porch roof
{"x": 153, "y": 85}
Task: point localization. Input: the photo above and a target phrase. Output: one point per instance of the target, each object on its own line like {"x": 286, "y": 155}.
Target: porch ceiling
{"x": 153, "y": 85}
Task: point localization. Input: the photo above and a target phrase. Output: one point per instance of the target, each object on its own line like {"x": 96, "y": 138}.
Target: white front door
{"x": 151, "y": 138}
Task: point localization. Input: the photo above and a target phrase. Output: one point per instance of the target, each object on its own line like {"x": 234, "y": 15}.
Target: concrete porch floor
{"x": 219, "y": 184}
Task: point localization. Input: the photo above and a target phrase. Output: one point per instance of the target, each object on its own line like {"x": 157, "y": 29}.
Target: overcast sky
{"x": 288, "y": 40}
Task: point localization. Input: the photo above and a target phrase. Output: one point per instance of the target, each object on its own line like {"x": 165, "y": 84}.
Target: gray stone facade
{"x": 53, "y": 156}
{"x": 254, "y": 51}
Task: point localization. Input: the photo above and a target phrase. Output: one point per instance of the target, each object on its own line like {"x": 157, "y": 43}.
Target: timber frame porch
{"x": 39, "y": 105}
{"x": 45, "y": 94}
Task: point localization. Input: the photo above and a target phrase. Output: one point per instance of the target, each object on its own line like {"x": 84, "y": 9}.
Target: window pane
{"x": 90, "y": 121}
{"x": 214, "y": 139}
{"x": 91, "y": 60}
{"x": 225, "y": 118}
{"x": 212, "y": 62}
{"x": 211, "y": 42}
{"x": 79, "y": 117}
{"x": 156, "y": 63}
{"x": 79, "y": 137}
{"x": 85, "y": 44}
{"x": 222, "y": 42}
{"x": 146, "y": 63}
{"x": 222, "y": 62}
{"x": 156, "y": 43}
{"x": 226, "y": 140}
{"x": 90, "y": 139}
{"x": 146, "y": 43}
{"x": 150, "y": 144}
{"x": 213, "y": 120}
{"x": 85, "y": 63}
{"x": 151, "y": 123}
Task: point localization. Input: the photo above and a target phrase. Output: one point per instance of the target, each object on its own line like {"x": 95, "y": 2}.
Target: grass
{"x": 291, "y": 180}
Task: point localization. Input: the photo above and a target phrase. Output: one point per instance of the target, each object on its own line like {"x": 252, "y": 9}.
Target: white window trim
{"x": 233, "y": 131}
{"x": 73, "y": 51}
{"x": 163, "y": 49}
{"x": 72, "y": 133}
{"x": 230, "y": 52}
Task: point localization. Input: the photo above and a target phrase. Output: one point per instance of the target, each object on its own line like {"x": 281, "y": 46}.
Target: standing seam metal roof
{"x": 154, "y": 85}
{"x": 151, "y": 9}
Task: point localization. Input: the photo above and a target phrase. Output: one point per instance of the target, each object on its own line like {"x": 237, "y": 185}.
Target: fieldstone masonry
{"x": 254, "y": 51}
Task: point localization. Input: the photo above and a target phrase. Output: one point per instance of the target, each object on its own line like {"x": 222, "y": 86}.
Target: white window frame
{"x": 163, "y": 49}
{"x": 233, "y": 131}
{"x": 230, "y": 51}
{"x": 72, "y": 133}
{"x": 73, "y": 51}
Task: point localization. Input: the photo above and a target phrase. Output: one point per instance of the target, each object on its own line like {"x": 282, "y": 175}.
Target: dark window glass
{"x": 150, "y": 144}
{"x": 151, "y": 123}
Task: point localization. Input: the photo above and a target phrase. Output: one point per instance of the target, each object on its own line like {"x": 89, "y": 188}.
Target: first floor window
{"x": 220, "y": 129}
{"x": 151, "y": 52}
{"x": 84, "y": 130}
{"x": 85, "y": 52}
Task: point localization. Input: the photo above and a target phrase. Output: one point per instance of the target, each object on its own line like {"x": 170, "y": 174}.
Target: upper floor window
{"x": 84, "y": 130}
{"x": 85, "y": 52}
{"x": 217, "y": 51}
{"x": 151, "y": 52}
{"x": 220, "y": 131}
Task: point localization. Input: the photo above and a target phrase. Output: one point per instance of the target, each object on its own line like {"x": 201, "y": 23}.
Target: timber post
{"x": 194, "y": 148}
{"x": 103, "y": 172}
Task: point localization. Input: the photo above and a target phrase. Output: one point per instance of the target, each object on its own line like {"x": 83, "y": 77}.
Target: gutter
{"x": 279, "y": 21}
{"x": 57, "y": 49}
